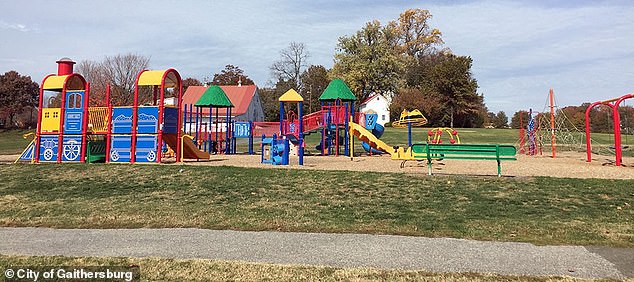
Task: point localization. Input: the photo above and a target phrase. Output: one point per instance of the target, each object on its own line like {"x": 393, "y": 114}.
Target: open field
{"x": 540, "y": 210}
{"x": 160, "y": 269}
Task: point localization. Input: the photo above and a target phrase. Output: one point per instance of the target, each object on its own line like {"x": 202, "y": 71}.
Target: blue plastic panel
{"x": 28, "y": 153}
{"x": 73, "y": 120}
{"x": 242, "y": 130}
{"x": 147, "y": 121}
{"x": 48, "y": 148}
{"x": 74, "y": 112}
{"x": 146, "y": 149}
{"x": 120, "y": 148}
{"x": 122, "y": 120}
{"x": 170, "y": 120}
{"x": 71, "y": 150}
{"x": 370, "y": 120}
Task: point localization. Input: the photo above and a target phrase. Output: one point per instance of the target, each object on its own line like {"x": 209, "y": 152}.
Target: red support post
{"x": 614, "y": 105}
{"x": 522, "y": 135}
{"x": 84, "y": 133}
{"x": 38, "y": 132}
{"x": 109, "y": 119}
{"x": 552, "y": 123}
{"x": 135, "y": 116}
{"x": 60, "y": 135}
{"x": 161, "y": 108}
{"x": 180, "y": 120}
{"x": 588, "y": 145}
{"x": 617, "y": 129}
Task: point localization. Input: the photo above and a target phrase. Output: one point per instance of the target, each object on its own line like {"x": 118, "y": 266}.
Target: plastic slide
{"x": 377, "y": 131}
{"x": 190, "y": 151}
{"x": 366, "y": 136}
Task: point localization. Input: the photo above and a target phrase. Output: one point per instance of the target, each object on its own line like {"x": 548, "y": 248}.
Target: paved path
{"x": 339, "y": 250}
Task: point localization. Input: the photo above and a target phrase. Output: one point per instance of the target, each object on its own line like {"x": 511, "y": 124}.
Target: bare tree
{"x": 120, "y": 73}
{"x": 94, "y": 74}
{"x": 122, "y": 70}
{"x": 291, "y": 64}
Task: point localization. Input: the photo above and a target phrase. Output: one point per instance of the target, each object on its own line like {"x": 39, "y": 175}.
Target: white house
{"x": 378, "y": 104}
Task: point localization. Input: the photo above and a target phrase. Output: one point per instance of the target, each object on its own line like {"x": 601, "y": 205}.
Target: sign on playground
{"x": 242, "y": 130}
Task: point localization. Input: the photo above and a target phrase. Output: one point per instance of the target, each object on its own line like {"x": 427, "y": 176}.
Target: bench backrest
{"x": 465, "y": 150}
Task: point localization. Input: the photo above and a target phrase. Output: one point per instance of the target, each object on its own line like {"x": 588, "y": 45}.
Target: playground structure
{"x": 276, "y": 150}
{"x": 616, "y": 118}
{"x": 434, "y": 135}
{"x": 370, "y": 120}
{"x": 410, "y": 118}
{"x": 331, "y": 121}
{"x": 69, "y": 130}
{"x": 550, "y": 126}
{"x": 216, "y": 136}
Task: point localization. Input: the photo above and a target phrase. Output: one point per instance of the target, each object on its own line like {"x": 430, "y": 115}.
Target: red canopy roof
{"x": 240, "y": 97}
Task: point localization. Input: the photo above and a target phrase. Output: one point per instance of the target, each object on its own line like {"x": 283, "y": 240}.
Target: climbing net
{"x": 550, "y": 130}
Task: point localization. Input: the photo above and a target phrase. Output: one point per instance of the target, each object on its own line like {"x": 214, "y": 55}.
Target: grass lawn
{"x": 538, "y": 210}
{"x": 158, "y": 269}
{"x": 11, "y": 141}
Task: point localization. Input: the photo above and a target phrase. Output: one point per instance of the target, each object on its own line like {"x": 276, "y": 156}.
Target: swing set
{"x": 614, "y": 105}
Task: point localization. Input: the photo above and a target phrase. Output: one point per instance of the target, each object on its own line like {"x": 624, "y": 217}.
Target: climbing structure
{"x": 549, "y": 130}
{"x": 69, "y": 130}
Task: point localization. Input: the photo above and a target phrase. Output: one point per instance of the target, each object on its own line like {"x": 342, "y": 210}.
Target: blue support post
{"x": 300, "y": 150}
{"x": 196, "y": 126}
{"x": 286, "y": 151}
{"x": 251, "y": 138}
{"x": 409, "y": 134}
{"x": 329, "y": 123}
{"x": 323, "y": 130}
{"x": 227, "y": 129}
{"x": 346, "y": 148}
{"x": 184, "y": 128}
{"x": 209, "y": 141}
{"x": 281, "y": 118}
{"x": 262, "y": 149}
{"x": 191, "y": 118}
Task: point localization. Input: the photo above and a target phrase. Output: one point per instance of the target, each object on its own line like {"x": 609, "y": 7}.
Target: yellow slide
{"x": 367, "y": 137}
{"x": 190, "y": 151}
{"x": 376, "y": 143}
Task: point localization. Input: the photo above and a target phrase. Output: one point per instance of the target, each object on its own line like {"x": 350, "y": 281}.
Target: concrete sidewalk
{"x": 338, "y": 250}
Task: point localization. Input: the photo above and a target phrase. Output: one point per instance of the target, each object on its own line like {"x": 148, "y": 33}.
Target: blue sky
{"x": 584, "y": 50}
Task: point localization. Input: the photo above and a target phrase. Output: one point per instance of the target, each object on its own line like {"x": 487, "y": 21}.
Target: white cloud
{"x": 15, "y": 26}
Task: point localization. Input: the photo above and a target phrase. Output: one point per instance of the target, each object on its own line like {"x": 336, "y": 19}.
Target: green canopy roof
{"x": 214, "y": 96}
{"x": 337, "y": 89}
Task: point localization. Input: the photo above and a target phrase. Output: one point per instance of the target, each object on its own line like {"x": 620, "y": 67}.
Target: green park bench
{"x": 496, "y": 152}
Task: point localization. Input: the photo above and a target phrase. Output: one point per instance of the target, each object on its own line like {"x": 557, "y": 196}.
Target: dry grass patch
{"x": 158, "y": 269}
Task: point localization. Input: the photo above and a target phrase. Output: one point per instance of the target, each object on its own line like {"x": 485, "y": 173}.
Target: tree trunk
{"x": 451, "y": 118}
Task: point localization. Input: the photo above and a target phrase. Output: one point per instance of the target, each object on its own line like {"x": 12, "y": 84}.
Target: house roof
{"x": 374, "y": 95}
{"x": 337, "y": 89}
{"x": 240, "y": 97}
{"x": 291, "y": 96}
{"x": 214, "y": 96}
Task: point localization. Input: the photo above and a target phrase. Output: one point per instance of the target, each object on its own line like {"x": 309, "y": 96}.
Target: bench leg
{"x": 429, "y": 167}
{"x": 499, "y": 169}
